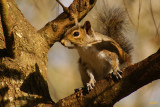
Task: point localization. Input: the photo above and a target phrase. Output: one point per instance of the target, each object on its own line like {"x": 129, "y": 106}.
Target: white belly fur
{"x": 98, "y": 65}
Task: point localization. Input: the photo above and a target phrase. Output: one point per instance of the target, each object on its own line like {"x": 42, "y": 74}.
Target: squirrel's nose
{"x": 67, "y": 43}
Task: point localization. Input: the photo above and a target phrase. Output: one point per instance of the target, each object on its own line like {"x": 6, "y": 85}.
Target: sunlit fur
{"x": 81, "y": 40}
{"x": 99, "y": 53}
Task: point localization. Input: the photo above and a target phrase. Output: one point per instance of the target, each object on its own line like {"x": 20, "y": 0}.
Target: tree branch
{"x": 54, "y": 30}
{"x": 5, "y": 17}
{"x": 107, "y": 92}
{"x": 6, "y": 25}
{"x": 23, "y": 79}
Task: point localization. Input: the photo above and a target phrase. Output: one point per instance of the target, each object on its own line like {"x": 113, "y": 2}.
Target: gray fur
{"x": 114, "y": 24}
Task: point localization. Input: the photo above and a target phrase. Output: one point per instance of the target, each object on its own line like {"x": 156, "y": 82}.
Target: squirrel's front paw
{"x": 91, "y": 84}
{"x": 116, "y": 74}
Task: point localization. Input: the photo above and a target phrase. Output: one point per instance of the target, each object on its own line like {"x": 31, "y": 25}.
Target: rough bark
{"x": 24, "y": 53}
{"x": 23, "y": 58}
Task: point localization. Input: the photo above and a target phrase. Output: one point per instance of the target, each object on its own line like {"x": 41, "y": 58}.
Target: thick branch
{"x": 107, "y": 93}
{"x": 6, "y": 25}
{"x": 54, "y": 30}
{"x": 5, "y": 17}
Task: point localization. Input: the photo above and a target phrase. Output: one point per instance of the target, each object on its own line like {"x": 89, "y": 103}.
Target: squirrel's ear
{"x": 88, "y": 28}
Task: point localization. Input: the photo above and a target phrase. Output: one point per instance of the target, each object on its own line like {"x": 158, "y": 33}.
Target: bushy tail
{"x": 114, "y": 23}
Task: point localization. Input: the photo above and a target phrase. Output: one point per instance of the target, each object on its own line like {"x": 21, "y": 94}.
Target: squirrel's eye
{"x": 76, "y": 34}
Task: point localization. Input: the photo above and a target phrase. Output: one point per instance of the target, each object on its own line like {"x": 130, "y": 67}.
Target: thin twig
{"x": 127, "y": 12}
{"x": 65, "y": 9}
{"x": 158, "y": 29}
{"x": 157, "y": 34}
{"x": 140, "y": 4}
{"x": 36, "y": 4}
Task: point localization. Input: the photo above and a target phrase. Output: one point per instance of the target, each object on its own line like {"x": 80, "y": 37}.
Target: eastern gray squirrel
{"x": 100, "y": 54}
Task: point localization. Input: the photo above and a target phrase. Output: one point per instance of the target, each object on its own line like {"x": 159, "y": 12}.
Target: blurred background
{"x": 63, "y": 75}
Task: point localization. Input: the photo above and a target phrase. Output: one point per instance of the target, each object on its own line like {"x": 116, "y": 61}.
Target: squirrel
{"x": 100, "y": 54}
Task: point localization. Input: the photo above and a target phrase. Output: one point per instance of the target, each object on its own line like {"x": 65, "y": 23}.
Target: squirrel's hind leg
{"x": 113, "y": 60}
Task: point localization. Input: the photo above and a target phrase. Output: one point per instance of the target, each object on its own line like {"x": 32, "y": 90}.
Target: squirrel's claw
{"x": 117, "y": 75}
{"x": 92, "y": 81}
{"x": 91, "y": 84}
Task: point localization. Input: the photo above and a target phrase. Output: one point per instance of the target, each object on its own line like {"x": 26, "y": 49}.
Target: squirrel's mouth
{"x": 67, "y": 44}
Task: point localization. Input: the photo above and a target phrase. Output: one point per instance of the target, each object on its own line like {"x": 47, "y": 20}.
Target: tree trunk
{"x": 24, "y": 53}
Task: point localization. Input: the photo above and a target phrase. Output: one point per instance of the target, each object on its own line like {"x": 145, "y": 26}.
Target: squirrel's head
{"x": 78, "y": 36}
